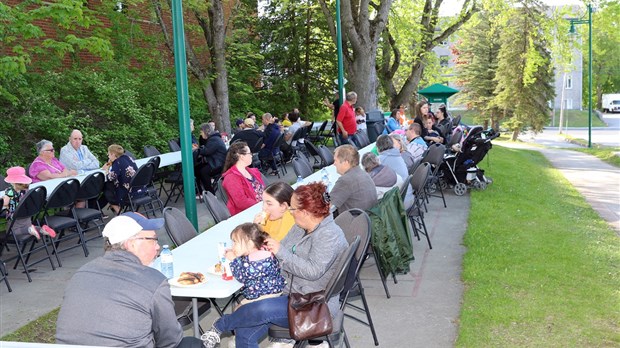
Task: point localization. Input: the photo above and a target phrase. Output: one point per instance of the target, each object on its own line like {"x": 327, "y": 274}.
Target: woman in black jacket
{"x": 209, "y": 157}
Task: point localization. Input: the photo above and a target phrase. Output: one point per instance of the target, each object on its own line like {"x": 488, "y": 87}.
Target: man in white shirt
{"x": 76, "y": 156}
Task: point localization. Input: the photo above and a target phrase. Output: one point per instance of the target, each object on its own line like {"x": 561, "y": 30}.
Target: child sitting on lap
{"x": 252, "y": 265}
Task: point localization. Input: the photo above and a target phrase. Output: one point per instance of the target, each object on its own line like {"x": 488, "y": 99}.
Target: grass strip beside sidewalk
{"x": 542, "y": 269}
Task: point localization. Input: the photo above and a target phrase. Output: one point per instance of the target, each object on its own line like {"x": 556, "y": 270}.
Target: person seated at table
{"x": 249, "y": 134}
{"x": 243, "y": 185}
{"x": 354, "y": 188}
{"x": 120, "y": 168}
{"x": 76, "y": 156}
{"x": 432, "y": 134}
{"x": 272, "y": 132}
{"x": 253, "y": 266}
{"x": 415, "y": 144}
{"x": 117, "y": 300}
{"x": 46, "y": 166}
{"x": 390, "y": 156}
{"x": 210, "y": 156}
{"x": 18, "y": 186}
{"x": 275, "y": 218}
{"x": 384, "y": 177}
{"x": 307, "y": 255}
{"x": 399, "y": 144}
{"x": 297, "y": 123}
{"x": 443, "y": 122}
{"x": 238, "y": 126}
{"x": 392, "y": 123}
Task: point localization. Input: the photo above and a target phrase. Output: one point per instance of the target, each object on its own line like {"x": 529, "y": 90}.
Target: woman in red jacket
{"x": 244, "y": 186}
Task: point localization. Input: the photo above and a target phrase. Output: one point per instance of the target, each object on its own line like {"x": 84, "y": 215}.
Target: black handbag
{"x": 308, "y": 315}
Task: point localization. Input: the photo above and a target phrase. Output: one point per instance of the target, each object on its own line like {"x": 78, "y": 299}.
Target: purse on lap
{"x": 308, "y": 315}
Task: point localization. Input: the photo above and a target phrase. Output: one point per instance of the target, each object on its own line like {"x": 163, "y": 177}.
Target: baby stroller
{"x": 463, "y": 165}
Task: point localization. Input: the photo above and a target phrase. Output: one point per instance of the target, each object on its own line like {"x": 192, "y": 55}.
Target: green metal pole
{"x": 180, "y": 66}
{"x": 590, "y": 76}
{"x": 339, "y": 50}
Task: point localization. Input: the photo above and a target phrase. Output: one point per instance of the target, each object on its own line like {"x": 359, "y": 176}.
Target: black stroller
{"x": 463, "y": 165}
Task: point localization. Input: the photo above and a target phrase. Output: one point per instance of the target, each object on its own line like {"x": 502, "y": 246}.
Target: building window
{"x": 569, "y": 82}
{"x": 568, "y": 104}
{"x": 443, "y": 61}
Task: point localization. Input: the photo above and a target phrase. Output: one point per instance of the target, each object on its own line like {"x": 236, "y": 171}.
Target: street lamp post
{"x": 573, "y": 31}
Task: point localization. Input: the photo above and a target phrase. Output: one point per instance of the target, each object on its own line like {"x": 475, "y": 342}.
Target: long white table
{"x": 167, "y": 159}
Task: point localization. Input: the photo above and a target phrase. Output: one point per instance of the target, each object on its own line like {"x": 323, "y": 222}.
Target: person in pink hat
{"x": 16, "y": 176}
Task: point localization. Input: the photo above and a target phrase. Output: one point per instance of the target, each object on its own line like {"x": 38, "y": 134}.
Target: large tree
{"x": 476, "y": 63}
{"x": 426, "y": 30}
{"x": 299, "y": 57}
{"x": 605, "y": 50}
{"x": 207, "y": 66}
{"x": 363, "y": 22}
{"x": 524, "y": 74}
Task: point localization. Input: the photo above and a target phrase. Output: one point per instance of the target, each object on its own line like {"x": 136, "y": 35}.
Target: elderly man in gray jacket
{"x": 117, "y": 300}
{"x": 354, "y": 188}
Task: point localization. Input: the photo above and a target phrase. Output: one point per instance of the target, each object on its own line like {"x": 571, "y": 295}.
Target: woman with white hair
{"x": 46, "y": 166}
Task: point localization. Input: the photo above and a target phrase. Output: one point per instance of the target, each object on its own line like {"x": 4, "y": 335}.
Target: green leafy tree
{"x": 299, "y": 59}
{"x": 476, "y": 63}
{"x": 524, "y": 73}
{"x": 605, "y": 50}
{"x": 23, "y": 40}
{"x": 410, "y": 37}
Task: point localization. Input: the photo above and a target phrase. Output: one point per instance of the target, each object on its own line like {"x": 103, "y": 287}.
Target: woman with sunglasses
{"x": 46, "y": 166}
{"x": 243, "y": 185}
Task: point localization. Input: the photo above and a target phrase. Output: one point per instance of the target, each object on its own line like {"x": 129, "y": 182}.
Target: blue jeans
{"x": 252, "y": 320}
{"x": 352, "y": 138}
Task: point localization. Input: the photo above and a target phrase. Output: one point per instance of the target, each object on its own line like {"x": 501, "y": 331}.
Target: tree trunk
{"x": 360, "y": 52}
{"x": 214, "y": 90}
{"x": 515, "y": 135}
{"x": 562, "y": 104}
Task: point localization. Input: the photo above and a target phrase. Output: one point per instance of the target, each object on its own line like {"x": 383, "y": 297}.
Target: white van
{"x": 611, "y": 102}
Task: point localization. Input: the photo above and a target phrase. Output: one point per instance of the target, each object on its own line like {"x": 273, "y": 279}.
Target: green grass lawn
{"x": 542, "y": 269}
{"x": 575, "y": 118}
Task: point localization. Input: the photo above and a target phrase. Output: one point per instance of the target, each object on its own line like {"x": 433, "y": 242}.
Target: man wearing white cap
{"x": 117, "y": 300}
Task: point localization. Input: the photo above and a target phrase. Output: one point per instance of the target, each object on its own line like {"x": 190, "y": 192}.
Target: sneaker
{"x": 33, "y": 231}
{"x": 282, "y": 343}
{"x": 211, "y": 338}
{"x": 48, "y": 231}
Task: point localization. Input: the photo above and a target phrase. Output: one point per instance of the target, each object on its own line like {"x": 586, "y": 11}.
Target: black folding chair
{"x": 415, "y": 213}
{"x": 138, "y": 195}
{"x": 318, "y": 136}
{"x": 220, "y": 193}
{"x": 89, "y": 192}
{"x": 334, "y": 287}
{"x": 301, "y": 166}
{"x": 28, "y": 208}
{"x": 61, "y": 216}
{"x": 174, "y": 146}
{"x": 181, "y": 230}
{"x": 434, "y": 157}
{"x": 3, "y": 276}
{"x": 313, "y": 152}
{"x": 327, "y": 157}
{"x": 275, "y": 156}
{"x": 218, "y": 210}
{"x": 356, "y": 223}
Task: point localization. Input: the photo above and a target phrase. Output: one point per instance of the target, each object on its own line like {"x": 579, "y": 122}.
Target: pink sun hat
{"x": 17, "y": 175}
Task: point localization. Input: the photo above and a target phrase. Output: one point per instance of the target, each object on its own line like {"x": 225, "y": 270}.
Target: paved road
{"x": 607, "y": 136}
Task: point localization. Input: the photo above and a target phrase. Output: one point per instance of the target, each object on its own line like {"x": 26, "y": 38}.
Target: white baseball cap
{"x": 127, "y": 225}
